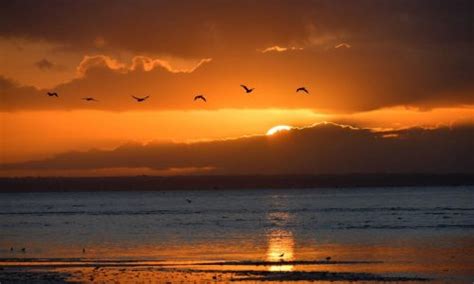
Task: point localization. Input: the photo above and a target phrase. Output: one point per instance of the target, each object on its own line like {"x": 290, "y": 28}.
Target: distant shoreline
{"x": 220, "y": 182}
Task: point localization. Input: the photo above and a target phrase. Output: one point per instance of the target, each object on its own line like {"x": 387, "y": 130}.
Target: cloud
{"x": 6, "y": 84}
{"x": 138, "y": 63}
{"x": 210, "y": 27}
{"x": 408, "y": 58}
{"x": 14, "y": 96}
{"x": 341, "y": 82}
{"x": 99, "y": 61}
{"x": 44, "y": 64}
{"x": 342, "y": 45}
{"x": 99, "y": 42}
{"x": 277, "y": 48}
{"x": 148, "y": 64}
{"x": 323, "y": 148}
{"x": 109, "y": 80}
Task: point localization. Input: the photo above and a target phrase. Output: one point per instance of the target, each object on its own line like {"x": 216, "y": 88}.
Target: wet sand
{"x": 156, "y": 272}
{"x": 448, "y": 260}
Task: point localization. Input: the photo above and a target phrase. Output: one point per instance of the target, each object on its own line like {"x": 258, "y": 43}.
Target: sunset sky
{"x": 387, "y": 80}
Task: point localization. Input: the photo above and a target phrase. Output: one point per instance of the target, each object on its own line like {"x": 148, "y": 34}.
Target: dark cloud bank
{"x": 202, "y": 28}
{"x": 404, "y": 52}
{"x": 322, "y": 149}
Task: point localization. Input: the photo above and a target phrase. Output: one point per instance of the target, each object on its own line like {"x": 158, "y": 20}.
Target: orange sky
{"x": 392, "y": 66}
{"x": 31, "y": 135}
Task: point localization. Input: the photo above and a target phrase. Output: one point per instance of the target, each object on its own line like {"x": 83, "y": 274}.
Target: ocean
{"x": 417, "y": 232}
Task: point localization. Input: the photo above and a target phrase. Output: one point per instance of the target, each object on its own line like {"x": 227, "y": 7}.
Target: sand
{"x": 220, "y": 272}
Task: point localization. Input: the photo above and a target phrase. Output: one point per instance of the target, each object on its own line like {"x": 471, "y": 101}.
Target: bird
{"x": 328, "y": 258}
{"x": 283, "y": 254}
{"x": 53, "y": 94}
{"x": 247, "y": 89}
{"x": 200, "y": 97}
{"x": 189, "y": 200}
{"x": 140, "y": 99}
{"x": 302, "y": 89}
{"x": 23, "y": 250}
{"x": 89, "y": 99}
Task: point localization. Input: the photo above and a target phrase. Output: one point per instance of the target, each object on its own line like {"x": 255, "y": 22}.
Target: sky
{"x": 396, "y": 76}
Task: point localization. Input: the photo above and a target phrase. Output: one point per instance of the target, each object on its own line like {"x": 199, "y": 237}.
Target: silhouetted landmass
{"x": 150, "y": 183}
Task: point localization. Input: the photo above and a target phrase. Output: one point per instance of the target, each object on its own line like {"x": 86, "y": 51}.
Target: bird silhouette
{"x": 247, "y": 89}
{"x": 89, "y": 99}
{"x": 140, "y": 99}
{"x": 53, "y": 94}
{"x": 302, "y": 89}
{"x": 282, "y": 255}
{"x": 200, "y": 97}
{"x": 189, "y": 200}
{"x": 328, "y": 258}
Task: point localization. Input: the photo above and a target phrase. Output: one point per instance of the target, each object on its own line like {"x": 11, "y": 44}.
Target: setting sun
{"x": 277, "y": 129}
{"x": 156, "y": 141}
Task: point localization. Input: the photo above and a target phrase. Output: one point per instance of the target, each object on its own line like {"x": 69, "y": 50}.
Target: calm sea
{"x": 430, "y": 228}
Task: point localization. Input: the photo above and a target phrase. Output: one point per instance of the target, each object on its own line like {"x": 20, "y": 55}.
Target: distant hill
{"x": 150, "y": 183}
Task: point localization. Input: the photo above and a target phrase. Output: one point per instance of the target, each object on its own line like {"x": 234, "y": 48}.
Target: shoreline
{"x": 221, "y": 182}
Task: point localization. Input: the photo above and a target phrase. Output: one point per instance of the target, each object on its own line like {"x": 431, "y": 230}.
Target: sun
{"x": 278, "y": 128}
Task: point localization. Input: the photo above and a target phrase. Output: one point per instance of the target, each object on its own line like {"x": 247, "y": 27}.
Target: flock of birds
{"x": 197, "y": 97}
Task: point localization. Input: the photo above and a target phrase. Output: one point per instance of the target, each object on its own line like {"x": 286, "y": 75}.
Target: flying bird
{"x": 89, "y": 99}
{"x": 247, "y": 89}
{"x": 53, "y": 94}
{"x": 189, "y": 200}
{"x": 200, "y": 97}
{"x": 140, "y": 99}
{"x": 282, "y": 255}
{"x": 302, "y": 89}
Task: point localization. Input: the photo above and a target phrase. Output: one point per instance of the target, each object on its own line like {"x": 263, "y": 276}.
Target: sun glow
{"x": 278, "y": 128}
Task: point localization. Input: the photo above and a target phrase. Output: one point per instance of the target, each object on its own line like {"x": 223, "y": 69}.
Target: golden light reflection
{"x": 280, "y": 248}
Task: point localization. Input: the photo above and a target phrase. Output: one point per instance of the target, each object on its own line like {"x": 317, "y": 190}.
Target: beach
{"x": 378, "y": 234}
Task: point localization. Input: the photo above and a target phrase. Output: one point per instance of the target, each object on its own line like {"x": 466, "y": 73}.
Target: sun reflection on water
{"x": 280, "y": 248}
